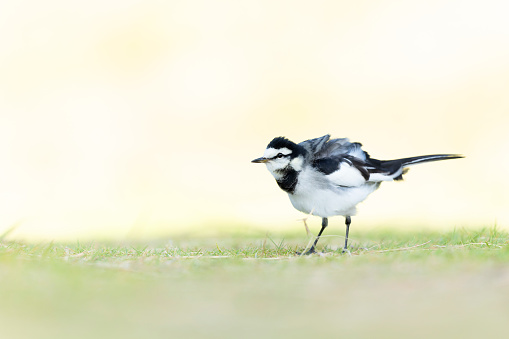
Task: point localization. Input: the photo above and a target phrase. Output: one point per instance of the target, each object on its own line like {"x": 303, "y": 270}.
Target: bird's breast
{"x": 314, "y": 195}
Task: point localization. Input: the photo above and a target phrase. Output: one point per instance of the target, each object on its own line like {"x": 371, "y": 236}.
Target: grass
{"x": 394, "y": 285}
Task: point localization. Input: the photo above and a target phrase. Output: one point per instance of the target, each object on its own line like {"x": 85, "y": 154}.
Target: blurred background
{"x": 139, "y": 118}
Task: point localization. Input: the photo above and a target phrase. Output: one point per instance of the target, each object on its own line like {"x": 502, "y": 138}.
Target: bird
{"x": 329, "y": 177}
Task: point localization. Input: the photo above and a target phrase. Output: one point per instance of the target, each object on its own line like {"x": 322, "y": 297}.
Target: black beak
{"x": 260, "y": 160}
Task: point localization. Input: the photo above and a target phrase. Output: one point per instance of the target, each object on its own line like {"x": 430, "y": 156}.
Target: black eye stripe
{"x": 279, "y": 155}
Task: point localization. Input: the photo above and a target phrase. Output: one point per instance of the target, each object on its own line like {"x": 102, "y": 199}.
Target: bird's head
{"x": 281, "y": 156}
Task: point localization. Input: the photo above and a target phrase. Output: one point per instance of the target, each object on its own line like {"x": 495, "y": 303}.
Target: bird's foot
{"x": 308, "y": 252}
{"x": 346, "y": 251}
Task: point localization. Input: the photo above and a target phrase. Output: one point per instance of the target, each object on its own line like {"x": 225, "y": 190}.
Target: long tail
{"x": 405, "y": 162}
{"x": 383, "y": 170}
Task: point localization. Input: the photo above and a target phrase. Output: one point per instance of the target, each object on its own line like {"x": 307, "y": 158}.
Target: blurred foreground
{"x": 395, "y": 284}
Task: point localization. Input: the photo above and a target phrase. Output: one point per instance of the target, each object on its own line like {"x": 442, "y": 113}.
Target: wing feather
{"x": 342, "y": 171}
{"x": 347, "y": 176}
{"x": 312, "y": 146}
{"x": 344, "y": 163}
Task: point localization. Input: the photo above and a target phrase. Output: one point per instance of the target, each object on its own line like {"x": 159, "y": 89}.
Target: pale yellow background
{"x": 139, "y": 118}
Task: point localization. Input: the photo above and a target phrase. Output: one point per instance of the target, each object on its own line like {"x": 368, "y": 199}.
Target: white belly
{"x": 325, "y": 202}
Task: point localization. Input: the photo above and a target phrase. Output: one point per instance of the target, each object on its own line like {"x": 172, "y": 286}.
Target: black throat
{"x": 289, "y": 180}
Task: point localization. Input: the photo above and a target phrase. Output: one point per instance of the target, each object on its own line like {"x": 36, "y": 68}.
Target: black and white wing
{"x": 342, "y": 162}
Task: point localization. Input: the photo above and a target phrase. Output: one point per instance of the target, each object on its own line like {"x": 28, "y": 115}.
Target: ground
{"x": 393, "y": 285}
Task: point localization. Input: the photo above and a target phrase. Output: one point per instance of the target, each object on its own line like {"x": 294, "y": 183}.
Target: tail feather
{"x": 394, "y": 169}
{"x": 426, "y": 158}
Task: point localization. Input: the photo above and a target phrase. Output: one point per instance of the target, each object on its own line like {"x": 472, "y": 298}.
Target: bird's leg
{"x": 348, "y": 221}
{"x": 325, "y": 222}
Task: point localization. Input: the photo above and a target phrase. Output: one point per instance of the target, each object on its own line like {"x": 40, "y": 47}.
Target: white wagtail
{"x": 328, "y": 177}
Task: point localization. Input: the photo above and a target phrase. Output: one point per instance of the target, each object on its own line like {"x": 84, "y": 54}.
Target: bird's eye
{"x": 279, "y": 155}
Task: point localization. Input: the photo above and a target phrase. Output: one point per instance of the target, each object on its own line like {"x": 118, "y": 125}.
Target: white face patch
{"x": 275, "y": 164}
{"x": 297, "y": 163}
